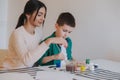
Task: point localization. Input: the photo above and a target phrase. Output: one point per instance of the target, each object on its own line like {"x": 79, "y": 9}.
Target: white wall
{"x": 15, "y": 8}
{"x": 97, "y": 32}
{"x": 3, "y": 23}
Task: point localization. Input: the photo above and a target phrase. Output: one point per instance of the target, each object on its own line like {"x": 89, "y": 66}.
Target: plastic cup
{"x": 71, "y": 66}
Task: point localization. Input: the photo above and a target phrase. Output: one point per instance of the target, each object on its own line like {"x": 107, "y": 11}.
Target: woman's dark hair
{"x": 66, "y": 18}
{"x": 30, "y": 7}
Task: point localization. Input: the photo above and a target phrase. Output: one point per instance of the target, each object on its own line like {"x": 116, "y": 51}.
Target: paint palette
{"x": 31, "y": 70}
{"x": 99, "y": 74}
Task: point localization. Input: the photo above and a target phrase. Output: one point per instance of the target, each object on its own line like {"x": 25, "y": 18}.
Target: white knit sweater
{"x": 24, "y": 49}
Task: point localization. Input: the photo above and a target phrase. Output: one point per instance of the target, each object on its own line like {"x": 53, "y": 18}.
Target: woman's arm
{"x": 27, "y": 56}
{"x": 56, "y": 40}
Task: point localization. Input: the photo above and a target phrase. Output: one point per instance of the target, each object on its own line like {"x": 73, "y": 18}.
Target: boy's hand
{"x": 59, "y": 56}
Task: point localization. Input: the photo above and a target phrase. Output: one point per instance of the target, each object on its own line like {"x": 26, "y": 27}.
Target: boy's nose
{"x": 66, "y": 34}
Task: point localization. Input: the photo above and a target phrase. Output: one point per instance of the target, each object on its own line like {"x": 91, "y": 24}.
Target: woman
{"x": 24, "y": 47}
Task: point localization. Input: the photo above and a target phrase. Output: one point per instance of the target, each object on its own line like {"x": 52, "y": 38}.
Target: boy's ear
{"x": 56, "y": 26}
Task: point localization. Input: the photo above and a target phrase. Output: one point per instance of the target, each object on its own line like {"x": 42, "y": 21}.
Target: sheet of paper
{"x": 53, "y": 75}
{"x": 15, "y": 76}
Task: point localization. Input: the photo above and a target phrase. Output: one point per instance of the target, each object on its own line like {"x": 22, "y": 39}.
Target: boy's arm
{"x": 59, "y": 56}
{"x": 48, "y": 59}
{"x": 69, "y": 49}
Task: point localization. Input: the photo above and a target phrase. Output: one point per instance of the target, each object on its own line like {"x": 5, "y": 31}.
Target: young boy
{"x": 58, "y": 53}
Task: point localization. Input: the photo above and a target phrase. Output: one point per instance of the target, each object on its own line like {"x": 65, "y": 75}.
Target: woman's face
{"x": 40, "y": 17}
{"x": 63, "y": 31}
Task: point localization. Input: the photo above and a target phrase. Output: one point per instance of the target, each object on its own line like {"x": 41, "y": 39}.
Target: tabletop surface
{"x": 107, "y": 70}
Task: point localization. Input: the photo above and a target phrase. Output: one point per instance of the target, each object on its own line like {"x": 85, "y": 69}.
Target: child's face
{"x": 63, "y": 31}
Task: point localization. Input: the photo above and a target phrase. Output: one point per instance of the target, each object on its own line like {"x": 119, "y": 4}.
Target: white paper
{"x": 15, "y": 76}
{"x": 53, "y": 75}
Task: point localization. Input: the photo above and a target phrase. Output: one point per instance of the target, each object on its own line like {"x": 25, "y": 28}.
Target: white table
{"x": 108, "y": 65}
{"x": 103, "y": 66}
{"x": 45, "y": 73}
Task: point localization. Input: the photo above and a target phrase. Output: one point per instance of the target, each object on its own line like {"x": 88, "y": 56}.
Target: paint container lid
{"x": 87, "y": 61}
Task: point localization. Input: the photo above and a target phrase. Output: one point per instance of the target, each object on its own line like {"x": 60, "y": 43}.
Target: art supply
{"x": 91, "y": 66}
{"x": 82, "y": 68}
{"x": 71, "y": 66}
{"x": 87, "y": 61}
{"x": 58, "y": 64}
{"x": 95, "y": 66}
{"x": 87, "y": 64}
{"x": 63, "y": 51}
{"x": 100, "y": 74}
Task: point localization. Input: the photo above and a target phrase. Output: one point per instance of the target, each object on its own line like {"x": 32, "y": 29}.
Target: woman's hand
{"x": 57, "y": 40}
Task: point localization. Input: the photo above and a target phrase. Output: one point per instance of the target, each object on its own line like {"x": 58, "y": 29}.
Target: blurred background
{"x": 97, "y": 32}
